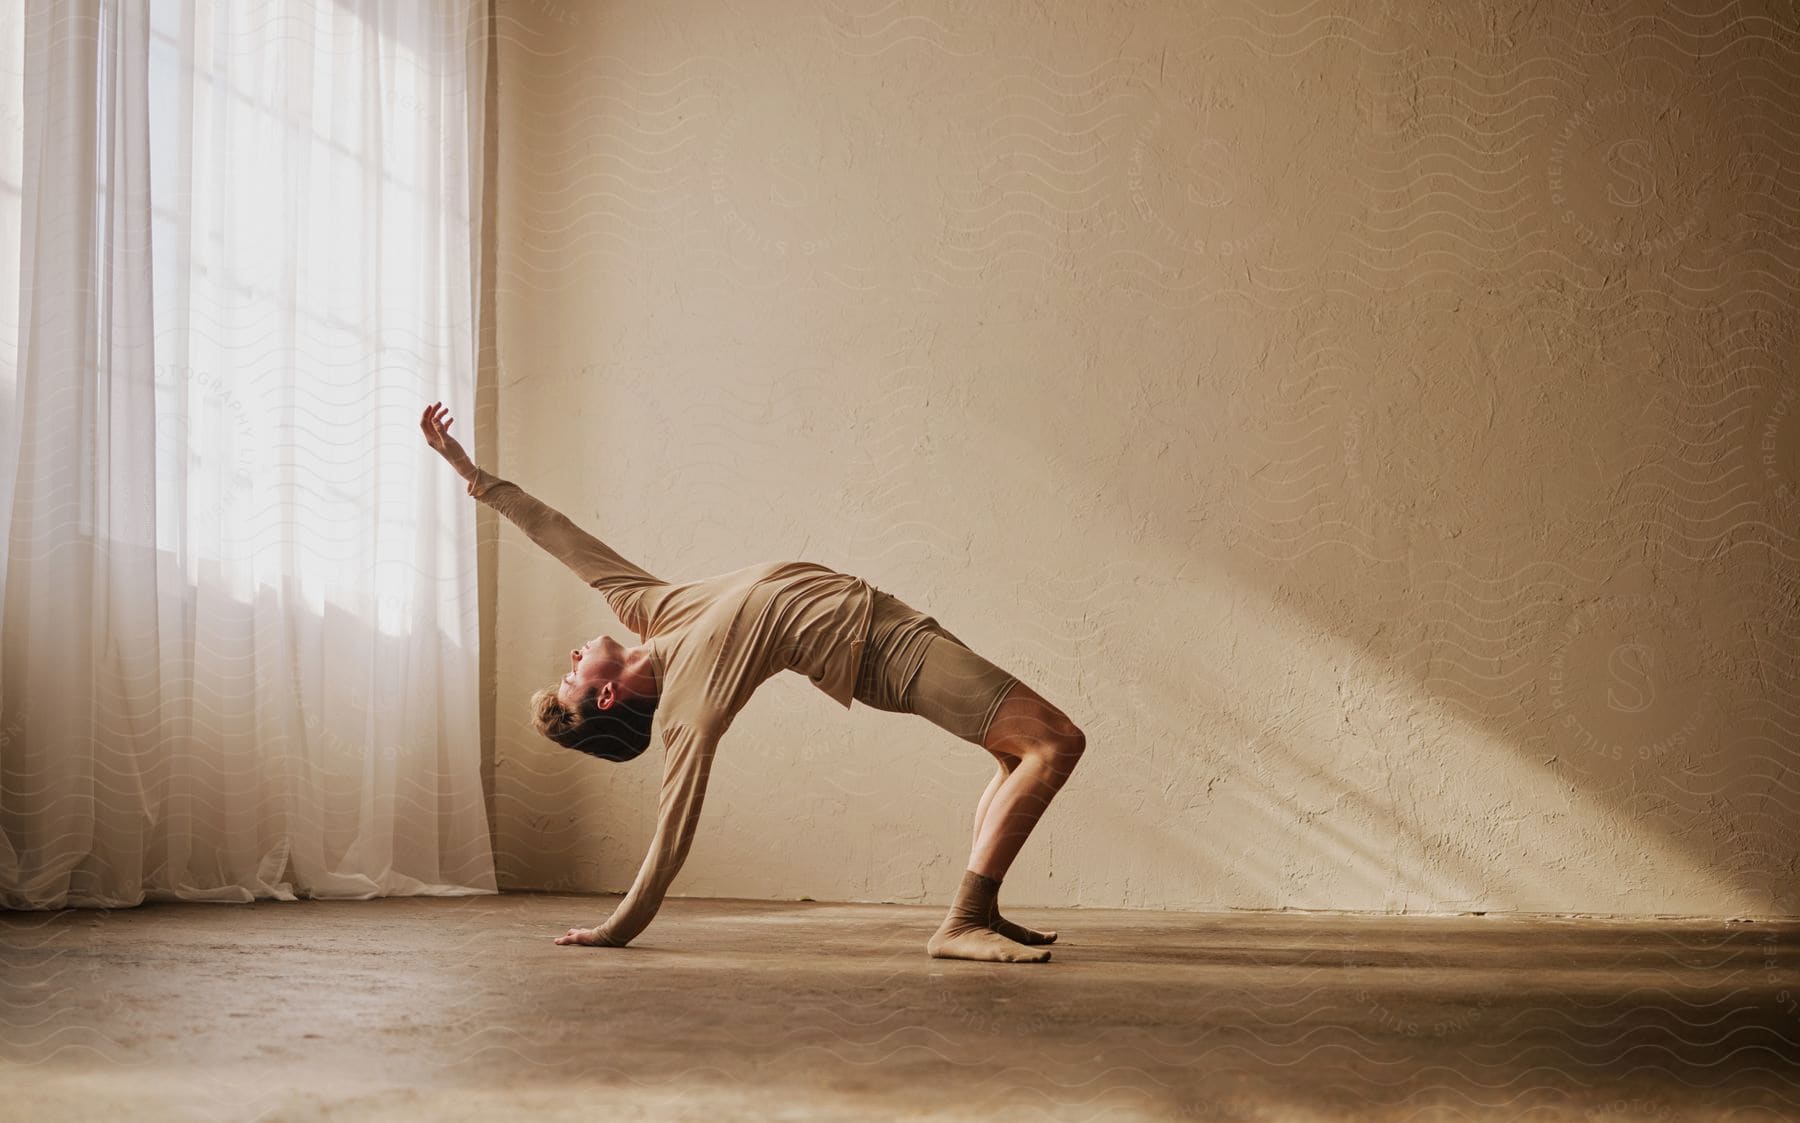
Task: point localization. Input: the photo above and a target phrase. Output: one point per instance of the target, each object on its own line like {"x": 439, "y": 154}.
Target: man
{"x": 708, "y": 644}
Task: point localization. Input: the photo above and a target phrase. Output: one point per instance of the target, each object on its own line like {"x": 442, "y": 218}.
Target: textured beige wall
{"x": 1378, "y": 426}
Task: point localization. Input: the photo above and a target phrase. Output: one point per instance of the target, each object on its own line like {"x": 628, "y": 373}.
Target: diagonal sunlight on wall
{"x": 1398, "y": 546}
{"x": 1295, "y": 770}
{"x": 1240, "y": 756}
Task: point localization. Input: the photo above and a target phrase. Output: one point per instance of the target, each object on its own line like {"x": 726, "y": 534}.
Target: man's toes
{"x": 1020, "y": 933}
{"x": 983, "y": 944}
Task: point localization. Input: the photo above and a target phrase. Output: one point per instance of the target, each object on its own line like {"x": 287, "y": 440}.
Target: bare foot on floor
{"x": 976, "y": 942}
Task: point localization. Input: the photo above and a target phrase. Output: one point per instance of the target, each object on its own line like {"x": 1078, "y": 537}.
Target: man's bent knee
{"x": 1073, "y": 744}
{"x": 1028, "y": 725}
{"x": 1058, "y": 749}
{"x": 1066, "y": 748}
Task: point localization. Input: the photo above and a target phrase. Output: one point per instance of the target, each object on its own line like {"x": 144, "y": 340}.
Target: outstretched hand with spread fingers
{"x": 435, "y": 422}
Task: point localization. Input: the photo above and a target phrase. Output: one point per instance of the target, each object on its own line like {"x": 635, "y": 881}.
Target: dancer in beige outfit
{"x": 708, "y": 644}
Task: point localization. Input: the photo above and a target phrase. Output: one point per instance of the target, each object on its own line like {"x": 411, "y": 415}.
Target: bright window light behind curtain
{"x": 238, "y": 256}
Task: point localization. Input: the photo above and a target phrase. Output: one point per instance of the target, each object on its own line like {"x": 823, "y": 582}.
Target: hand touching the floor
{"x": 587, "y": 937}
{"x": 436, "y": 424}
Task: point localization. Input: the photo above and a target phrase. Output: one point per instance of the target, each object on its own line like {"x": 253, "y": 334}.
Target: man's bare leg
{"x": 1046, "y": 746}
{"x": 997, "y": 922}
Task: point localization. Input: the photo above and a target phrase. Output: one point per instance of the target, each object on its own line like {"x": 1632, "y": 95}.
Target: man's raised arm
{"x": 594, "y": 561}
{"x": 685, "y": 770}
{"x": 621, "y": 580}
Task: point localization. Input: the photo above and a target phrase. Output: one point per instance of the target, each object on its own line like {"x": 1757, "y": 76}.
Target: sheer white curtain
{"x": 238, "y": 255}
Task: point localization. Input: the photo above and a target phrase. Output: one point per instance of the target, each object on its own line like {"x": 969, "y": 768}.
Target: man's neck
{"x": 646, "y": 679}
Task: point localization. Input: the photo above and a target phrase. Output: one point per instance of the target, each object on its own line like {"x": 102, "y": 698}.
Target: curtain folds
{"x": 238, "y": 630}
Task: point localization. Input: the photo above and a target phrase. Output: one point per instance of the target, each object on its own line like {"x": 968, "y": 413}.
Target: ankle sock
{"x": 977, "y": 900}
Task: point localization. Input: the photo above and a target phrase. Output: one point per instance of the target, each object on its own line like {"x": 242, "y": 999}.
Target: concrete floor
{"x": 463, "y": 1009}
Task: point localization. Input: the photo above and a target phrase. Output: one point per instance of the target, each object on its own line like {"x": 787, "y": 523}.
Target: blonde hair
{"x": 553, "y": 719}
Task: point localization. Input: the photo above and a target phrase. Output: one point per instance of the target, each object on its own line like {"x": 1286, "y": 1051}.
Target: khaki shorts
{"x": 913, "y": 665}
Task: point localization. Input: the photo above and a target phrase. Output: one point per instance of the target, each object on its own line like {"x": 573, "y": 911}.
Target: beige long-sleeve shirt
{"x": 713, "y": 641}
